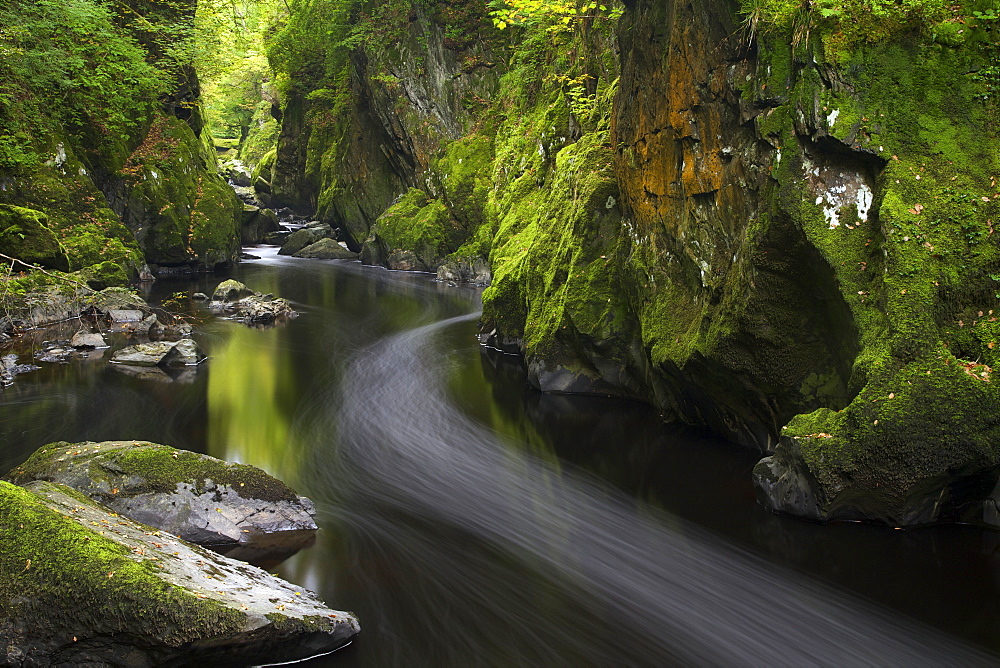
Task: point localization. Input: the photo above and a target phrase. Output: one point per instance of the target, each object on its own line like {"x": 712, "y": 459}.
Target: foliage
{"x": 66, "y": 61}
{"x": 554, "y": 15}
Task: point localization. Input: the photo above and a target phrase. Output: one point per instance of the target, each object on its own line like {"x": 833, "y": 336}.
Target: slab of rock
{"x": 326, "y": 249}
{"x": 85, "y": 339}
{"x": 121, "y": 315}
{"x": 160, "y": 353}
{"x": 199, "y": 498}
{"x": 81, "y": 585}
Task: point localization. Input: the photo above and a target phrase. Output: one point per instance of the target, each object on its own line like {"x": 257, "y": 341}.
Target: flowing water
{"x": 469, "y": 520}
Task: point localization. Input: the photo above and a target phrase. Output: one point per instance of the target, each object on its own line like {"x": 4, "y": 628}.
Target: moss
{"x": 182, "y": 212}
{"x": 419, "y": 224}
{"x": 24, "y": 234}
{"x": 55, "y": 569}
{"x": 140, "y": 467}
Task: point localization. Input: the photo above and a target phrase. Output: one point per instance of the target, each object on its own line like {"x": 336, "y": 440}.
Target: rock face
{"x": 466, "y": 270}
{"x": 196, "y": 497}
{"x": 80, "y": 585}
{"x": 773, "y": 236}
{"x": 326, "y": 249}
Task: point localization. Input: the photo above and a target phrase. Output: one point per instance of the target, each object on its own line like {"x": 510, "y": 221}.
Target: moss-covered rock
{"x": 80, "y": 585}
{"x": 194, "y": 496}
{"x": 24, "y": 234}
{"x": 180, "y": 211}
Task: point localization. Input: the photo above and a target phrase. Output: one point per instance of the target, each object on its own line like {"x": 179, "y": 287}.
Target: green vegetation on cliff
{"x": 82, "y": 86}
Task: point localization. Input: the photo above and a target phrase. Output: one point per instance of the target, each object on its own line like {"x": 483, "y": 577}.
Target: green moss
{"x": 159, "y": 467}
{"x": 24, "y": 234}
{"x": 418, "y": 224}
{"x": 58, "y": 569}
{"x": 183, "y": 212}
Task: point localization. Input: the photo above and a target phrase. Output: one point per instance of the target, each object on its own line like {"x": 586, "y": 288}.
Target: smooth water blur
{"x": 469, "y": 520}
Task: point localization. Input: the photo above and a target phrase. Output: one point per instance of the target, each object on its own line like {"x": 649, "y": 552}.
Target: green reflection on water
{"x": 248, "y": 422}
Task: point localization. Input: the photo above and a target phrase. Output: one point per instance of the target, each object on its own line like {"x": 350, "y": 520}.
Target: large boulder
{"x": 199, "y": 498}
{"x": 257, "y": 224}
{"x": 326, "y": 249}
{"x": 80, "y": 585}
{"x": 230, "y": 291}
{"x": 301, "y": 238}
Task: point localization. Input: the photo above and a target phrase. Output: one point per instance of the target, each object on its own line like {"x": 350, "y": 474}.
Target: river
{"x": 469, "y": 520}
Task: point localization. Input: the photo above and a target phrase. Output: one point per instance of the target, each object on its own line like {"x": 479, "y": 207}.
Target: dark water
{"x": 471, "y": 521}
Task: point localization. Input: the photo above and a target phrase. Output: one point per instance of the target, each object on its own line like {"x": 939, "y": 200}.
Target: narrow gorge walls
{"x": 775, "y": 220}
{"x": 102, "y": 139}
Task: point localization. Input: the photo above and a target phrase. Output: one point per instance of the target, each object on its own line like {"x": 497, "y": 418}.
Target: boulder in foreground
{"x": 197, "y": 497}
{"x": 81, "y": 585}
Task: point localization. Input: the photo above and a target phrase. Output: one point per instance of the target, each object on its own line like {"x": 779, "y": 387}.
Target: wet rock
{"x": 326, "y": 249}
{"x": 231, "y": 291}
{"x": 55, "y": 352}
{"x": 261, "y": 310}
{"x": 199, "y": 297}
{"x": 95, "y": 588}
{"x": 160, "y": 353}
{"x": 250, "y": 307}
{"x": 199, "y": 498}
{"x": 10, "y": 368}
{"x": 466, "y": 270}
{"x": 236, "y": 173}
{"x": 405, "y": 260}
{"x": 306, "y": 236}
{"x": 85, "y": 339}
{"x": 170, "y": 331}
{"x": 257, "y": 223}
{"x": 277, "y": 238}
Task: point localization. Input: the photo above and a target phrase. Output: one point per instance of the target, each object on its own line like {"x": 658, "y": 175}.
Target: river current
{"x": 469, "y": 520}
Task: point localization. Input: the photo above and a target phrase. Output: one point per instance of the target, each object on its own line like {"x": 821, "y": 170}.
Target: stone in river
{"x": 199, "y": 498}
{"x": 326, "y": 249}
{"x": 80, "y": 585}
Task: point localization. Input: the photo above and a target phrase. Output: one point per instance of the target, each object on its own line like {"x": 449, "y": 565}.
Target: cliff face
{"x": 778, "y": 228}
{"x": 356, "y": 139}
{"x": 102, "y": 139}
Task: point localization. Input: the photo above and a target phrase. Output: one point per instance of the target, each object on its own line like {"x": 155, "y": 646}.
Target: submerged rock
{"x": 81, "y": 585}
{"x": 197, "y": 497}
{"x": 326, "y": 249}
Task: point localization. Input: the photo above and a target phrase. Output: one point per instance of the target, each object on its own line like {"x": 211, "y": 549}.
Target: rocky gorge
{"x": 773, "y": 220}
